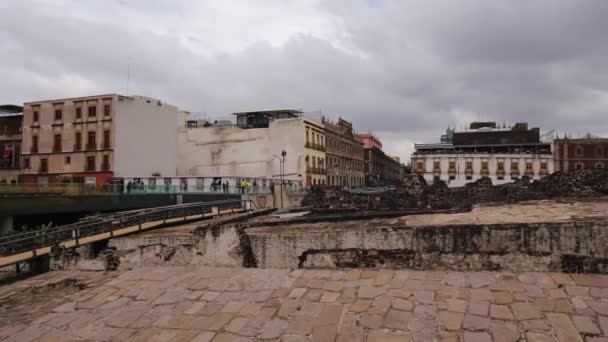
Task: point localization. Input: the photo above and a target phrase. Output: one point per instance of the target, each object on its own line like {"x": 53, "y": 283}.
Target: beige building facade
{"x": 94, "y": 139}
{"x": 344, "y": 151}
{"x": 253, "y": 147}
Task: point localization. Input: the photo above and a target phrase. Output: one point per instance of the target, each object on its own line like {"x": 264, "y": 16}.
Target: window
{"x": 578, "y": 166}
{"x": 91, "y": 163}
{"x": 44, "y": 165}
{"x": 469, "y": 166}
{"x": 68, "y": 160}
{"x": 35, "y": 118}
{"x": 543, "y": 166}
{"x": 469, "y": 177}
{"x": 436, "y": 179}
{"x": 78, "y": 112}
{"x": 484, "y": 165}
{"x": 35, "y": 144}
{"x": 528, "y": 166}
{"x": 599, "y": 151}
{"x": 106, "y": 138}
{"x": 105, "y": 166}
{"x": 501, "y": 166}
{"x": 420, "y": 166}
{"x": 436, "y": 166}
{"x": 579, "y": 151}
{"x": 92, "y": 111}
{"x": 106, "y": 110}
{"x": 452, "y": 177}
{"x": 91, "y": 141}
{"x": 515, "y": 166}
{"x": 58, "y": 114}
{"x": 78, "y": 142}
{"x": 57, "y": 143}
{"x": 26, "y": 162}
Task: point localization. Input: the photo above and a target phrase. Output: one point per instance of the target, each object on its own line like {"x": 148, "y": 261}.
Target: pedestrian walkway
{"x": 225, "y": 304}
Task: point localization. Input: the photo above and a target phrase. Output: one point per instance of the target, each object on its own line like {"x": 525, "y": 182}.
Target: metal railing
{"x": 108, "y": 223}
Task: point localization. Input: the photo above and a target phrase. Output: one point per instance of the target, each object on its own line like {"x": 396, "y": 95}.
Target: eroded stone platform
{"x": 232, "y": 304}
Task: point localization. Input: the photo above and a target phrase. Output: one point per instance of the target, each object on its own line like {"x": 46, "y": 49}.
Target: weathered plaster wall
{"x": 575, "y": 246}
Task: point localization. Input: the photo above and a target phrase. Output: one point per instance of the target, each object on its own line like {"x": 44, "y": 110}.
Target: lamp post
{"x": 281, "y": 172}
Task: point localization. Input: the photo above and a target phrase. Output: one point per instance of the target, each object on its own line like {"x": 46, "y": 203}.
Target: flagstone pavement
{"x": 202, "y": 304}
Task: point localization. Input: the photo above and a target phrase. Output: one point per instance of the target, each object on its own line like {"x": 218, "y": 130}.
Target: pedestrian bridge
{"x": 20, "y": 247}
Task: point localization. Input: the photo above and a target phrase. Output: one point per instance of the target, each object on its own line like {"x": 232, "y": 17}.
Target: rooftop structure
{"x": 262, "y": 118}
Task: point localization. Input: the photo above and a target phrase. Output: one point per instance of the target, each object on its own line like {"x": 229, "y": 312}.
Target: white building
{"x": 502, "y": 155}
{"x": 253, "y": 147}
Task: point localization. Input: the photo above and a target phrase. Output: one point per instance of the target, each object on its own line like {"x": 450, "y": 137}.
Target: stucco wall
{"x": 146, "y": 138}
{"x": 234, "y": 152}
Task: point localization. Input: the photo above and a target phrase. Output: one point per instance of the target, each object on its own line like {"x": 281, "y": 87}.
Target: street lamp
{"x": 281, "y": 171}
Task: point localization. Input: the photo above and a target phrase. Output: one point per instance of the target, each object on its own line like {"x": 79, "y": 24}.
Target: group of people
{"x": 135, "y": 186}
{"x": 3, "y": 181}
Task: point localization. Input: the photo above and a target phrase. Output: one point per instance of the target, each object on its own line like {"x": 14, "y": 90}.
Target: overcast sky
{"x": 403, "y": 69}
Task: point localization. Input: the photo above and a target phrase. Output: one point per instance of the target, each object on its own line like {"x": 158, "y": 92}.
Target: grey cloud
{"x": 402, "y": 69}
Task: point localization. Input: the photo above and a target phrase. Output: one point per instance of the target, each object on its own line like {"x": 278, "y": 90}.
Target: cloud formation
{"x": 404, "y": 69}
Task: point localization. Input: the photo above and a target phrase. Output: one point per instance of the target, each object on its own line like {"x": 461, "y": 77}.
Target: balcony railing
{"x": 57, "y": 149}
{"x": 42, "y": 169}
{"x": 106, "y": 146}
{"x": 34, "y": 149}
{"x": 314, "y": 146}
{"x": 105, "y": 166}
{"x": 515, "y": 172}
{"x": 468, "y": 171}
{"x": 91, "y": 147}
{"x": 500, "y": 172}
{"x": 77, "y": 147}
{"x": 529, "y": 171}
{"x": 437, "y": 171}
{"x": 544, "y": 172}
{"x": 452, "y": 171}
{"x": 485, "y": 171}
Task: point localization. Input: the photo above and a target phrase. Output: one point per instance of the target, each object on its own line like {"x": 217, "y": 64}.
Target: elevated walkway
{"x": 22, "y": 247}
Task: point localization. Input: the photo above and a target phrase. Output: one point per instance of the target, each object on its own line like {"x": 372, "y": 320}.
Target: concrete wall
{"x": 146, "y": 138}
{"x": 562, "y": 246}
{"x": 33, "y": 205}
{"x": 234, "y": 152}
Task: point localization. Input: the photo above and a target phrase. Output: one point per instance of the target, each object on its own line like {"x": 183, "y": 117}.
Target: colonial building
{"x": 96, "y": 138}
{"x": 484, "y": 150}
{"x": 380, "y": 169}
{"x": 10, "y": 142}
{"x": 253, "y": 148}
{"x": 344, "y": 151}
{"x": 578, "y": 154}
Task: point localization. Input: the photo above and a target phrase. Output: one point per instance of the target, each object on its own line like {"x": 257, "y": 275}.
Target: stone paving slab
{"x": 226, "y": 304}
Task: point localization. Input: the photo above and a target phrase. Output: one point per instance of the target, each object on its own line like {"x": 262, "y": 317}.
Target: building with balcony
{"x": 484, "y": 150}
{"x": 253, "y": 147}
{"x": 10, "y": 142}
{"x": 577, "y": 154}
{"x": 344, "y": 153}
{"x": 379, "y": 168}
{"x": 94, "y": 139}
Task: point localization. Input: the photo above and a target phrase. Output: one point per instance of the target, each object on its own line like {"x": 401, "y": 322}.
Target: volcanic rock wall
{"x": 415, "y": 193}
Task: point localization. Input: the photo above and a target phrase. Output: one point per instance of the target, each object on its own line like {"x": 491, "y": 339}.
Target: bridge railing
{"x": 72, "y": 189}
{"x": 108, "y": 223}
